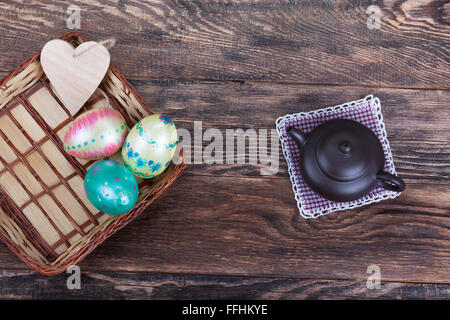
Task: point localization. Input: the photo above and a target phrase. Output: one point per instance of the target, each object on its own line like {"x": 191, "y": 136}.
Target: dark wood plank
{"x": 250, "y": 226}
{"x": 311, "y": 41}
{"x": 15, "y": 284}
{"x": 219, "y": 220}
{"x": 417, "y": 121}
{"x": 226, "y": 219}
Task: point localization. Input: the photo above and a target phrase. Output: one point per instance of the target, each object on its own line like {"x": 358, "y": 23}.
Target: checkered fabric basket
{"x": 366, "y": 111}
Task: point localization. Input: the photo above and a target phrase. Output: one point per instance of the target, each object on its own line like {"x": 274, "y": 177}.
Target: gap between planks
{"x": 264, "y": 177}
{"x": 88, "y": 271}
{"x": 295, "y": 83}
{"x": 287, "y": 83}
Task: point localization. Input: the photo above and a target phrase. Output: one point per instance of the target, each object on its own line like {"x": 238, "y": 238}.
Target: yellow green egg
{"x": 150, "y": 146}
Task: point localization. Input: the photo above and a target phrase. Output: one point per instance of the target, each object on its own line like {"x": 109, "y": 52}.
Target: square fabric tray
{"x": 366, "y": 111}
{"x": 45, "y": 216}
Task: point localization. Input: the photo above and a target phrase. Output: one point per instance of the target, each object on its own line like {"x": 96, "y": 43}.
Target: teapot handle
{"x": 390, "y": 182}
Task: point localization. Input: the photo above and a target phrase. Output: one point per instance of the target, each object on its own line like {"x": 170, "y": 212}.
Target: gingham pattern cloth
{"x": 366, "y": 111}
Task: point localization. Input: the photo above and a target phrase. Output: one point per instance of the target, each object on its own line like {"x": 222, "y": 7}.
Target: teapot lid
{"x": 343, "y": 153}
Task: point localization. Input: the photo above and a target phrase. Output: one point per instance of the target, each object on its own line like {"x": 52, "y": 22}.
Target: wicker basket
{"x": 45, "y": 217}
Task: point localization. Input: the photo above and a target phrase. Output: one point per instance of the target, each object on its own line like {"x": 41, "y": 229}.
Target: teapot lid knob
{"x": 345, "y": 148}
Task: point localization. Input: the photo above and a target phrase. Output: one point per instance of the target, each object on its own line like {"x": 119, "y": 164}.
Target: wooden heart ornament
{"x": 75, "y": 73}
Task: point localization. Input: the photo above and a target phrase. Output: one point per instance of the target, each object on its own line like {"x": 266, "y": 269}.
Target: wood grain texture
{"x": 251, "y": 226}
{"x": 107, "y": 285}
{"x": 225, "y": 231}
{"x": 234, "y": 217}
{"x": 320, "y": 42}
{"x": 417, "y": 121}
{"x": 231, "y": 222}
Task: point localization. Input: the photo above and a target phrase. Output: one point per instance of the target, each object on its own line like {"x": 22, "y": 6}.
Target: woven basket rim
{"x": 118, "y": 222}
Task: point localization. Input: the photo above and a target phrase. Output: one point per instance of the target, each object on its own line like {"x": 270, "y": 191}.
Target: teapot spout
{"x": 297, "y": 135}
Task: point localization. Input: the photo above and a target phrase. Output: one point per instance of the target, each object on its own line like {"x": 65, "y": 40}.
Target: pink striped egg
{"x": 96, "y": 134}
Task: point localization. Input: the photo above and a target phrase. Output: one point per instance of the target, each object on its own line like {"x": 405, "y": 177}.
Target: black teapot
{"x": 343, "y": 160}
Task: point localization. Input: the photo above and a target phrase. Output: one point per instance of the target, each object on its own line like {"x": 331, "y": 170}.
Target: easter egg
{"x": 150, "y": 146}
{"x": 111, "y": 187}
{"x": 96, "y": 134}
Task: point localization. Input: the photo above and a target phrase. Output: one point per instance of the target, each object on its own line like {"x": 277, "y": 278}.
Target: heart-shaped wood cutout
{"x": 75, "y": 73}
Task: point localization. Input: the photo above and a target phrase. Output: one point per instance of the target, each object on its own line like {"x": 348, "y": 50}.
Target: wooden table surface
{"x": 226, "y": 231}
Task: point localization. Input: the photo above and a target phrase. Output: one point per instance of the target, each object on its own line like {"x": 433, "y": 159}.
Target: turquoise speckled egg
{"x": 150, "y": 146}
{"x": 111, "y": 187}
{"x": 96, "y": 134}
